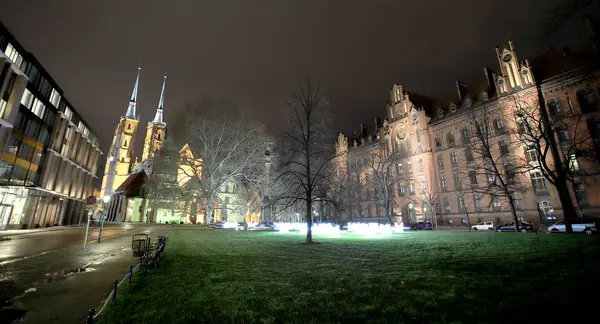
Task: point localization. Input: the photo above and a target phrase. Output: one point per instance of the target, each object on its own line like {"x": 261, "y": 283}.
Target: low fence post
{"x": 90, "y": 318}
{"x": 115, "y": 284}
{"x": 130, "y": 273}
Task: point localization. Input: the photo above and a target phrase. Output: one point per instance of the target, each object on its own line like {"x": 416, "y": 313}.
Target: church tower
{"x": 157, "y": 129}
{"x": 120, "y": 154}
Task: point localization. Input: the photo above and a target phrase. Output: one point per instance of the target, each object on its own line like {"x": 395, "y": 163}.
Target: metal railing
{"x": 151, "y": 257}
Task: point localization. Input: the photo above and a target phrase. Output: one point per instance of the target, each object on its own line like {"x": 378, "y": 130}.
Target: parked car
{"x": 580, "y": 225}
{"x": 422, "y": 226}
{"x": 483, "y": 226}
{"x": 263, "y": 226}
{"x": 510, "y": 227}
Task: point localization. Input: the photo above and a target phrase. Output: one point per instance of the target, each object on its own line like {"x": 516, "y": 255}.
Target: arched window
{"x": 586, "y": 100}
{"x": 128, "y": 126}
{"x": 451, "y": 139}
{"x": 554, "y": 107}
{"x": 158, "y": 136}
{"x": 125, "y": 143}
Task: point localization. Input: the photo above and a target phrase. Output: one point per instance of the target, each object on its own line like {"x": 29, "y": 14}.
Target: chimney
{"x": 363, "y": 129}
{"x": 377, "y": 123}
{"x": 566, "y": 51}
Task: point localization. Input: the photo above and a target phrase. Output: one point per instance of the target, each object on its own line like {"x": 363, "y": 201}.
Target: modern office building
{"x": 48, "y": 154}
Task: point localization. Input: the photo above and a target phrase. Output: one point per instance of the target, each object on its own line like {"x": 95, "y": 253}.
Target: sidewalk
{"x": 62, "y": 295}
{"x": 7, "y": 233}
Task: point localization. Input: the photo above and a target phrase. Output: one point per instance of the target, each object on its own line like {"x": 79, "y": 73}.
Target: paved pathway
{"x": 61, "y": 294}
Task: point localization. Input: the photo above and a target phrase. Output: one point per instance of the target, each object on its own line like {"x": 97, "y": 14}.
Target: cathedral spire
{"x": 158, "y": 118}
{"x": 133, "y": 100}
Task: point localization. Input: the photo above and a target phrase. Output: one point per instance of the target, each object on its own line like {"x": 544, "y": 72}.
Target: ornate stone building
{"x": 437, "y": 145}
{"x": 151, "y": 192}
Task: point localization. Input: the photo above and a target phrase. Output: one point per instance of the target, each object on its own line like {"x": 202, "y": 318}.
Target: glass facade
{"x": 49, "y": 156}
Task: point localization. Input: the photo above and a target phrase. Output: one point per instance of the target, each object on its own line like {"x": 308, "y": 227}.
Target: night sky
{"x": 254, "y": 52}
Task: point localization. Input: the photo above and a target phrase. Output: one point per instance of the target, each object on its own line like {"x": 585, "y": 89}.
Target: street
{"x": 66, "y": 279}
{"x": 27, "y": 245}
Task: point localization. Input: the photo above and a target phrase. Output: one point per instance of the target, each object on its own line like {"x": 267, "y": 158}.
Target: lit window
{"x": 531, "y": 155}
{"x": 3, "y": 105}
{"x": 55, "y": 98}
{"x": 68, "y": 113}
{"x": 454, "y": 158}
{"x": 573, "y": 164}
{"x": 38, "y": 108}
{"x": 499, "y": 123}
{"x": 400, "y": 169}
{"x": 546, "y": 210}
{"x": 423, "y": 184}
{"x": 409, "y": 166}
{"x": 443, "y": 182}
{"x": 27, "y": 99}
{"x": 538, "y": 181}
{"x": 496, "y": 205}
{"x": 13, "y": 55}
{"x": 447, "y": 205}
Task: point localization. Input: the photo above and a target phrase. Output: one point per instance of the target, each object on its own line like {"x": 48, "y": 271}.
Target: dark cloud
{"x": 254, "y": 52}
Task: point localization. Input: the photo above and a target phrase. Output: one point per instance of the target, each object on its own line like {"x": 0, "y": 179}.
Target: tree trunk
{"x": 308, "y": 219}
{"x": 513, "y": 210}
{"x": 468, "y": 220}
{"x": 561, "y": 179}
{"x": 210, "y": 211}
{"x": 388, "y": 214}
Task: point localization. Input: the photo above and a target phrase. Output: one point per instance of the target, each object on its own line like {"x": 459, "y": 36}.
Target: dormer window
{"x": 453, "y": 108}
{"x": 484, "y": 95}
{"x": 440, "y": 113}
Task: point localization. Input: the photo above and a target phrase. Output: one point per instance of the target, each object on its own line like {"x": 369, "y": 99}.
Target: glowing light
{"x": 374, "y": 229}
{"x": 321, "y": 229}
{"x": 230, "y": 225}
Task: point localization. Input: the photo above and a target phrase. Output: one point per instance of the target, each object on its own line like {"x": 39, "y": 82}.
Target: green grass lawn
{"x": 446, "y": 277}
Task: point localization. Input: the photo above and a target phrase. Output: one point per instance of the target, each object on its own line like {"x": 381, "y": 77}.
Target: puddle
{"x": 61, "y": 275}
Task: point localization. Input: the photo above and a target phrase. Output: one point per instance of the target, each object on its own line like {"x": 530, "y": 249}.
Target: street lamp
{"x": 105, "y": 199}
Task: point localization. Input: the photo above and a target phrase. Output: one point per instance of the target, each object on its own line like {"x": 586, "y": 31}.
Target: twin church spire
{"x": 131, "y": 109}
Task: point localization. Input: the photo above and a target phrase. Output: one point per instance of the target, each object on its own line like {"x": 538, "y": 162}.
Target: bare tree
{"x": 230, "y": 145}
{"x": 352, "y": 188}
{"x": 431, "y": 198}
{"x": 577, "y": 155}
{"x": 488, "y": 158}
{"x": 382, "y": 168}
{"x": 162, "y": 188}
{"x": 307, "y": 153}
{"x": 567, "y": 12}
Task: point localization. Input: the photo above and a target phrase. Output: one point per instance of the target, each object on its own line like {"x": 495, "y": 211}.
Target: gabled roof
{"x": 132, "y": 186}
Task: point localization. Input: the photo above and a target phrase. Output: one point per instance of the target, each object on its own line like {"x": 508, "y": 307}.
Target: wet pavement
{"x": 30, "y": 244}
{"x": 58, "y": 281}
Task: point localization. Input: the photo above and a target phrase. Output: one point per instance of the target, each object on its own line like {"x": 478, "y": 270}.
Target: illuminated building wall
{"x": 432, "y": 135}
{"x": 48, "y": 155}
